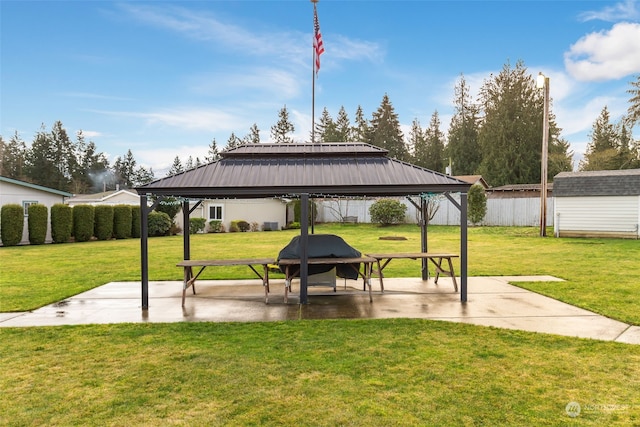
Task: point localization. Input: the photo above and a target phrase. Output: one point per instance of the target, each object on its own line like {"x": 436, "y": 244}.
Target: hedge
{"x": 122, "y": 221}
{"x": 103, "y": 222}
{"x": 11, "y": 224}
{"x": 83, "y": 216}
{"x": 159, "y": 223}
{"x": 37, "y": 223}
{"x": 135, "y": 222}
{"x": 61, "y": 223}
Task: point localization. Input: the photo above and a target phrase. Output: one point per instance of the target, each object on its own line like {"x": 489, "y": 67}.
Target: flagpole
{"x": 313, "y": 78}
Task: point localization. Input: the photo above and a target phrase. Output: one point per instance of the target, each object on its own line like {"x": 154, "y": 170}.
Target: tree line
{"x": 497, "y": 135}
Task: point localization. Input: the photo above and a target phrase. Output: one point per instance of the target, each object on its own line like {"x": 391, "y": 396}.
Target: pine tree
{"x": 12, "y": 159}
{"x": 325, "y": 129}
{"x": 92, "y": 174}
{"x": 40, "y": 161}
{"x": 418, "y": 144}
{"x": 143, "y": 176}
{"x": 343, "y": 126}
{"x": 434, "y": 140}
{"x": 254, "y": 135}
{"x": 63, "y": 157}
{"x": 462, "y": 148}
{"x": 360, "y": 130}
{"x": 176, "y": 167}
{"x": 602, "y": 150}
{"x": 634, "y": 108}
{"x": 213, "y": 154}
{"x": 281, "y": 130}
{"x": 386, "y": 132}
{"x": 233, "y": 141}
{"x": 511, "y": 135}
{"x": 124, "y": 170}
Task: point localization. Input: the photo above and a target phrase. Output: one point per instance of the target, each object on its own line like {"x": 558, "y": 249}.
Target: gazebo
{"x": 303, "y": 171}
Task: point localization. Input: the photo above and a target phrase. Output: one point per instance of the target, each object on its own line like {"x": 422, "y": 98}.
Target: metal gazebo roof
{"x": 273, "y": 170}
{"x": 303, "y": 171}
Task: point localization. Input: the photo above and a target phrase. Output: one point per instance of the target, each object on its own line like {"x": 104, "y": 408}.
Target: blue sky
{"x": 164, "y": 78}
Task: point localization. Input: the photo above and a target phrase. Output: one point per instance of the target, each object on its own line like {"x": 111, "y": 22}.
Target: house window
{"x": 215, "y": 212}
{"x": 26, "y": 204}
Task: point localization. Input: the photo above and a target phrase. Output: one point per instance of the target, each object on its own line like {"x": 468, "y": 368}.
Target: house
{"x": 114, "y": 197}
{"x": 473, "y": 179}
{"x": 597, "y": 204}
{"x": 13, "y": 191}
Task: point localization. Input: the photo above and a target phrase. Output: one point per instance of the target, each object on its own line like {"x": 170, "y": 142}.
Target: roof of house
{"x": 520, "y": 187}
{"x": 34, "y": 186}
{"x": 625, "y": 182}
{"x": 328, "y": 169}
{"x": 473, "y": 179}
{"x": 101, "y": 197}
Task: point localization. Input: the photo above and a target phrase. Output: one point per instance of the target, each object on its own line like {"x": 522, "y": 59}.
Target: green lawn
{"x": 329, "y": 372}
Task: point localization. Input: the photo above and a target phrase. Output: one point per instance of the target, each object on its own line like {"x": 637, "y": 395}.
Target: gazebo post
{"x": 186, "y": 232}
{"x": 463, "y": 247}
{"x": 304, "y": 246}
{"x": 144, "y": 250}
{"x": 423, "y": 236}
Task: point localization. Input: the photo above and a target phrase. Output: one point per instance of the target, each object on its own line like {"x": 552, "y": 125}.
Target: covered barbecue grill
{"x": 324, "y": 246}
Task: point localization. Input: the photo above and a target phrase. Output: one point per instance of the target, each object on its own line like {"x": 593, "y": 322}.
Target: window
{"x": 215, "y": 212}
{"x": 26, "y": 204}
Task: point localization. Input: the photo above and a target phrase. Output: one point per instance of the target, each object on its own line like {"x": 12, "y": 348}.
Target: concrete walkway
{"x": 492, "y": 301}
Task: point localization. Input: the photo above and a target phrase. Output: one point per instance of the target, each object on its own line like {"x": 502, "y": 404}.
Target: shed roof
{"x": 329, "y": 169}
{"x": 624, "y": 182}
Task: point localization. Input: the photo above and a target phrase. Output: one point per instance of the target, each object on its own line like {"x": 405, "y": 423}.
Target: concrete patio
{"x": 492, "y": 301}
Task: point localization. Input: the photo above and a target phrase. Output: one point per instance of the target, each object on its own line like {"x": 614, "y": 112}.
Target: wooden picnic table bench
{"x": 292, "y": 269}
{"x": 190, "y": 278}
{"x": 382, "y": 260}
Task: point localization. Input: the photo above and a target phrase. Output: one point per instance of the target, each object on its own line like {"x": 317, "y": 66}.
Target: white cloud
{"x": 257, "y": 81}
{"x": 605, "y": 55}
{"x": 626, "y": 10}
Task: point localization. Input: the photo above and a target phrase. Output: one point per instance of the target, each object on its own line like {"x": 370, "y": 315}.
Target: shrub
{"x": 244, "y": 225}
{"x": 477, "y": 204}
{"x": 11, "y": 224}
{"x": 61, "y": 223}
{"x": 293, "y": 225}
{"x": 37, "y": 222}
{"x": 83, "y": 216}
{"x": 387, "y": 212}
{"x": 216, "y": 226}
{"x": 255, "y": 226}
{"x": 159, "y": 223}
{"x": 233, "y": 227}
{"x": 135, "y": 222}
{"x": 196, "y": 225}
{"x": 122, "y": 221}
{"x": 103, "y": 222}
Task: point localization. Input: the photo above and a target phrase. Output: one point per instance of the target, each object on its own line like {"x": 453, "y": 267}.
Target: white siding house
{"x": 260, "y": 211}
{"x": 13, "y": 191}
{"x": 597, "y": 204}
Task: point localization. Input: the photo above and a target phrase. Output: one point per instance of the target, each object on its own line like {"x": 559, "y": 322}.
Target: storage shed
{"x": 597, "y": 204}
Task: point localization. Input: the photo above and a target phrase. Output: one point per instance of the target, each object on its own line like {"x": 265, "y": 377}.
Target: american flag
{"x": 318, "y": 45}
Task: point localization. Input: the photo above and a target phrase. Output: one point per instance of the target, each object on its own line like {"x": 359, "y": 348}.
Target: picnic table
{"x": 292, "y": 269}
{"x": 190, "y": 278}
{"x": 382, "y": 260}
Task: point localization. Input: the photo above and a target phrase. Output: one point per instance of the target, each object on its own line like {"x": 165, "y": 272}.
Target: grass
{"x": 327, "y": 372}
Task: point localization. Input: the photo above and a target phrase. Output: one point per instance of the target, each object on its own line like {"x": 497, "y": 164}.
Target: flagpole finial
{"x": 314, "y": 1}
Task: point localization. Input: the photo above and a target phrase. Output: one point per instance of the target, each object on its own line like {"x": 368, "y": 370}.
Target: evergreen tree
{"x": 325, "y": 129}
{"x": 63, "y": 157}
{"x": 40, "y": 161}
{"x": 434, "y": 140}
{"x": 511, "y": 135}
{"x": 386, "y": 132}
{"x": 254, "y": 135}
{"x": 12, "y": 158}
{"x": 560, "y": 158}
{"x": 602, "y": 150}
{"x": 463, "y": 149}
{"x": 189, "y": 164}
{"x": 343, "y": 126}
{"x": 233, "y": 141}
{"x": 626, "y": 157}
{"x": 124, "y": 170}
{"x": 634, "y": 108}
{"x": 281, "y": 130}
{"x": 213, "y": 154}
{"x": 92, "y": 173}
{"x": 176, "y": 167}
{"x": 143, "y": 176}
{"x": 418, "y": 144}
{"x": 360, "y": 130}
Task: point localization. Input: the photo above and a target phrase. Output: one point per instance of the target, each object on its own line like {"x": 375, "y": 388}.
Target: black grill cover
{"x": 324, "y": 246}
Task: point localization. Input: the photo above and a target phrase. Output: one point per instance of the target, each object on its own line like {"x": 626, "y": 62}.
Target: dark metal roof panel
{"x": 330, "y": 149}
{"x": 624, "y": 182}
